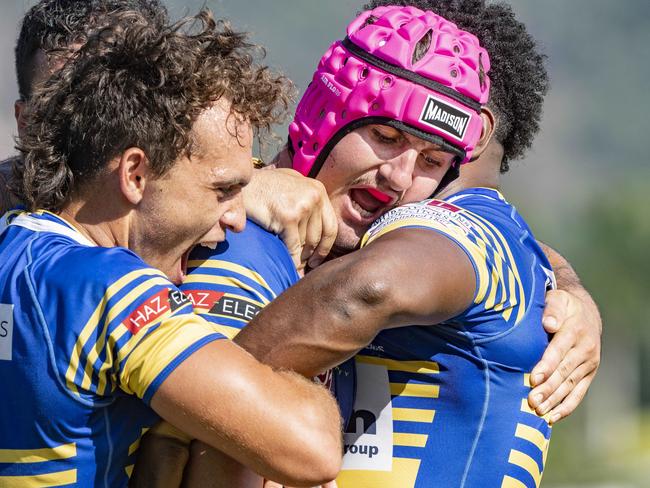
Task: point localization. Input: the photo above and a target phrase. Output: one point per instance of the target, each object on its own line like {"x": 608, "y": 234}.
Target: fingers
{"x": 556, "y": 311}
{"x": 561, "y": 383}
{"x": 557, "y": 349}
{"x": 292, "y": 239}
{"x": 329, "y": 230}
{"x": 313, "y": 232}
{"x": 572, "y": 400}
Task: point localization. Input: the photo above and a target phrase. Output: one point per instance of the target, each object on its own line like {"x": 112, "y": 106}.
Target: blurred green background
{"x": 584, "y": 187}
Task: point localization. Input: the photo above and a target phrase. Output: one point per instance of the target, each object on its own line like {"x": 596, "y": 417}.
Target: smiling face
{"x": 200, "y": 197}
{"x": 374, "y": 168}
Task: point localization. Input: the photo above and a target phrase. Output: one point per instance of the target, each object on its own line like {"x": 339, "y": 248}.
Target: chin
{"x": 347, "y": 240}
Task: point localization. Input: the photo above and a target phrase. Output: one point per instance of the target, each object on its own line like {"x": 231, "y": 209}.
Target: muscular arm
{"x": 409, "y": 276}
{"x": 265, "y": 419}
{"x": 570, "y": 363}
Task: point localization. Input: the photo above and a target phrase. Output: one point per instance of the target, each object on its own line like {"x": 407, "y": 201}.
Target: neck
{"x": 484, "y": 171}
{"x": 98, "y": 222}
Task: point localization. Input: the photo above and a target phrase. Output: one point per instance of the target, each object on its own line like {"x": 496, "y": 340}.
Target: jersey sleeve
{"x": 114, "y": 323}
{"x": 229, "y": 285}
{"x": 499, "y": 288}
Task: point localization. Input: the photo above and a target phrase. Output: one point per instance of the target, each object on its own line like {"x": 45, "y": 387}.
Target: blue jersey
{"x": 446, "y": 405}
{"x": 87, "y": 336}
{"x": 229, "y": 285}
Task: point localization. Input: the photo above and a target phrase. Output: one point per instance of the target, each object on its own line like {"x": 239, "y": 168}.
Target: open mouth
{"x": 369, "y": 202}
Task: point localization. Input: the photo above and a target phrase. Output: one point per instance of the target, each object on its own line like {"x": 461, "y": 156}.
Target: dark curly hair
{"x": 55, "y": 25}
{"x": 138, "y": 83}
{"x": 518, "y": 72}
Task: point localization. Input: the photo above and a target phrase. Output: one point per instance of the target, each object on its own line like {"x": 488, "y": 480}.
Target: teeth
{"x": 210, "y": 245}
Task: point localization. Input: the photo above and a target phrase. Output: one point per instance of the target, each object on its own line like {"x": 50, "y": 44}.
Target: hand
{"x": 562, "y": 377}
{"x": 297, "y": 209}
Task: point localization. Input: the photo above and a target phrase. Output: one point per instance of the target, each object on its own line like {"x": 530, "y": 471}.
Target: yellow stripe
{"x": 93, "y": 322}
{"x": 476, "y": 250}
{"x": 513, "y": 267}
{"x": 112, "y": 313}
{"x": 409, "y": 440}
{"x": 129, "y": 470}
{"x": 59, "y": 478}
{"x": 236, "y": 268}
{"x": 532, "y": 435}
{"x": 159, "y": 349}
{"x": 413, "y": 415}
{"x": 527, "y": 463}
{"x": 225, "y": 281}
{"x": 229, "y": 331}
{"x": 509, "y": 482}
{"x": 422, "y": 367}
{"x": 64, "y": 451}
{"x": 512, "y": 299}
{"x": 415, "y": 390}
{"x": 403, "y": 475}
{"x": 526, "y": 408}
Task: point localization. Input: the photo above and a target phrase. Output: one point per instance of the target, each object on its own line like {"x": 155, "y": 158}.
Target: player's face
{"x": 374, "y": 168}
{"x": 200, "y": 197}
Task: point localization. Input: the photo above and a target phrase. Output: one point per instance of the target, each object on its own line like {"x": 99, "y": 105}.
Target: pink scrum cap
{"x": 374, "y": 77}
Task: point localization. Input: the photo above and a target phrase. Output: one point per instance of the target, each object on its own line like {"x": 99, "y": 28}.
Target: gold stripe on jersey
{"x": 58, "y": 478}
{"x": 129, "y": 470}
{"x": 99, "y": 345}
{"x": 409, "y": 440}
{"x": 475, "y": 249}
{"x": 535, "y": 437}
{"x": 527, "y": 463}
{"x": 526, "y": 408}
{"x": 423, "y": 367}
{"x": 235, "y": 268}
{"x": 513, "y": 266}
{"x": 93, "y": 323}
{"x": 413, "y": 415}
{"x": 64, "y": 451}
{"x": 403, "y": 475}
{"x": 224, "y": 281}
{"x": 160, "y": 348}
{"x": 510, "y": 482}
{"x": 414, "y": 390}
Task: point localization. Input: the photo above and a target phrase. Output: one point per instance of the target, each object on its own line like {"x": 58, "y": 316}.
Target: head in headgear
{"x": 411, "y": 87}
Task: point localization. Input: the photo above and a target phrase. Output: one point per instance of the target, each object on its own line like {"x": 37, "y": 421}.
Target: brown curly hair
{"x": 139, "y": 83}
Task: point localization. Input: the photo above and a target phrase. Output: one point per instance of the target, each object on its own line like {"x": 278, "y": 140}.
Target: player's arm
{"x": 297, "y": 209}
{"x": 279, "y": 424}
{"x": 408, "y": 276}
{"x": 569, "y": 365}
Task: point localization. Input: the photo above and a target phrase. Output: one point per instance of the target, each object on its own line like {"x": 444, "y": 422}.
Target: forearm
{"x": 262, "y": 418}
{"x": 567, "y": 280}
{"x": 318, "y": 323}
{"x": 407, "y": 277}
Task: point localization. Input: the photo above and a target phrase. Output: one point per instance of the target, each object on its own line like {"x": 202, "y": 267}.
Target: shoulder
{"x": 253, "y": 250}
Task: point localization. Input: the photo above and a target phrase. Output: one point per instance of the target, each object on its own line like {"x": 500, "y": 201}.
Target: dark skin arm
{"x": 569, "y": 365}
{"x": 358, "y": 296}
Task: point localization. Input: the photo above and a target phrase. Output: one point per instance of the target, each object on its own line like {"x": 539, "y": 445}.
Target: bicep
{"x": 429, "y": 277}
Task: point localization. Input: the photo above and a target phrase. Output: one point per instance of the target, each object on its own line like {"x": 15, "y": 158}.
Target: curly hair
{"x": 55, "y": 25}
{"x": 139, "y": 83}
{"x": 518, "y": 72}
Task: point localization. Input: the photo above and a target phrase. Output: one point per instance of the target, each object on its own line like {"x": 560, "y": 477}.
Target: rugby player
{"x": 217, "y": 276}
{"x": 135, "y": 151}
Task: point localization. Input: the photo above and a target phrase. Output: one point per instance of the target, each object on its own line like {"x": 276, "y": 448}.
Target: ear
{"x": 487, "y": 131}
{"x": 19, "y": 114}
{"x": 134, "y": 172}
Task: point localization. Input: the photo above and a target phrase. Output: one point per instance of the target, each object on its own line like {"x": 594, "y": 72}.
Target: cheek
{"x": 422, "y": 188}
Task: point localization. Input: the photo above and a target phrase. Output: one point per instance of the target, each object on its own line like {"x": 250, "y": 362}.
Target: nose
{"x": 234, "y": 218}
{"x": 398, "y": 171}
